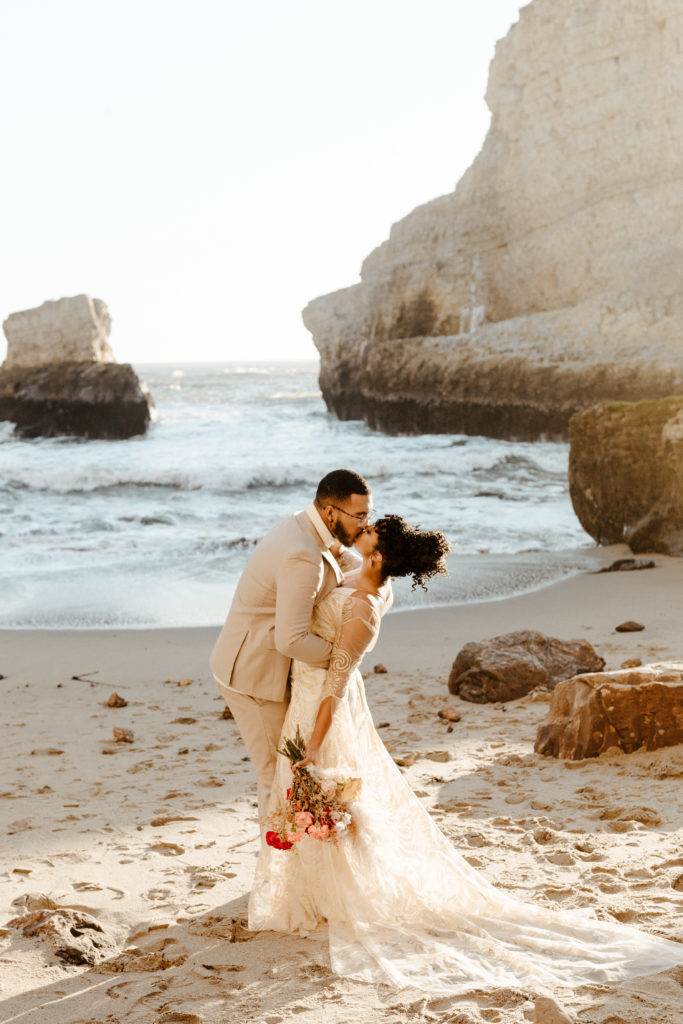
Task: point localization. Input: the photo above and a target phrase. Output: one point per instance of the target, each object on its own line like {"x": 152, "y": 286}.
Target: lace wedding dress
{"x": 403, "y": 906}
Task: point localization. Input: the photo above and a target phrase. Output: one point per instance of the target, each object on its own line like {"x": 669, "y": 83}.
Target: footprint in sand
{"x": 476, "y": 839}
{"x": 115, "y": 991}
{"x": 610, "y": 887}
{"x": 166, "y": 818}
{"x": 556, "y": 892}
{"x": 643, "y": 815}
{"x": 625, "y": 915}
{"x": 153, "y": 895}
{"x": 168, "y": 849}
{"x": 317, "y": 972}
{"x": 562, "y": 857}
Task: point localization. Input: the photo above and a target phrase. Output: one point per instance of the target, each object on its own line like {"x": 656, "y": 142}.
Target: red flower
{"x": 273, "y": 839}
{"x": 289, "y": 793}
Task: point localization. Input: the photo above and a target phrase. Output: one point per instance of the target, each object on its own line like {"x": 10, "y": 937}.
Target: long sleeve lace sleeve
{"x": 359, "y": 626}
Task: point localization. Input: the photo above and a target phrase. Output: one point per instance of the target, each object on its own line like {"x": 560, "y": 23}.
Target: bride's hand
{"x": 311, "y": 754}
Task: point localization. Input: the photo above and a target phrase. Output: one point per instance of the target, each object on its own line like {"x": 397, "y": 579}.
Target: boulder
{"x": 626, "y": 473}
{"x": 629, "y": 709}
{"x": 549, "y": 280}
{"x": 72, "y": 330}
{"x": 85, "y": 399}
{"x": 511, "y": 665}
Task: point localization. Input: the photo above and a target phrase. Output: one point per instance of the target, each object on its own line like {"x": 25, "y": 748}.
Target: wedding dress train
{"x": 403, "y": 906}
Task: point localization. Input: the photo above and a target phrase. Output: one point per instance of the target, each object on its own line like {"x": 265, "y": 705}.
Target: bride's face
{"x": 366, "y": 542}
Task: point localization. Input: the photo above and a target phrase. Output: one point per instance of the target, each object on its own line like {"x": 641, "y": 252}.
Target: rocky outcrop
{"x": 629, "y": 709}
{"x": 60, "y": 377}
{"x": 68, "y": 330}
{"x": 626, "y": 474}
{"x": 550, "y": 279}
{"x": 509, "y": 666}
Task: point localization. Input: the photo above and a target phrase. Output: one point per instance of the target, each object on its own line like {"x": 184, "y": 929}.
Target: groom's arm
{"x": 298, "y": 581}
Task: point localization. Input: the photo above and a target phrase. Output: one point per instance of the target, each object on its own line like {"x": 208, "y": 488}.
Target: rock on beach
{"x": 509, "y": 666}
{"x": 628, "y": 709}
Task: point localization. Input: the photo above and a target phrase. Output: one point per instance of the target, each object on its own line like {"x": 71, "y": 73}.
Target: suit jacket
{"x": 269, "y": 620}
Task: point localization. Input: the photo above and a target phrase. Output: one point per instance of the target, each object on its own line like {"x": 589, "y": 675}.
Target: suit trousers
{"x": 260, "y": 723}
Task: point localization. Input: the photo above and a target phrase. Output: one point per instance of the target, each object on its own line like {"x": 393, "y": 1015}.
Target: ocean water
{"x": 154, "y": 531}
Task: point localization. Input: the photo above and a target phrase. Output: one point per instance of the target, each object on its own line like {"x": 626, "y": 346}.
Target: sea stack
{"x": 550, "y": 279}
{"x": 60, "y": 376}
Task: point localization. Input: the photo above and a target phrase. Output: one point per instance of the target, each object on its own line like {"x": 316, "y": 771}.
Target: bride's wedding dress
{"x": 403, "y": 906}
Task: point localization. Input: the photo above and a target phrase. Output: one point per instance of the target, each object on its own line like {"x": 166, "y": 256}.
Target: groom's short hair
{"x": 339, "y": 485}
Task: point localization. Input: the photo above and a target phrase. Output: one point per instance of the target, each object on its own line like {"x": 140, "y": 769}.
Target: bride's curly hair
{"x": 408, "y": 551}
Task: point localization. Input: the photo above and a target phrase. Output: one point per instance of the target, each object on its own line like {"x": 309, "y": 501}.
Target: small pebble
{"x": 115, "y": 701}
{"x": 450, "y": 714}
{"x": 407, "y": 760}
{"x": 123, "y": 735}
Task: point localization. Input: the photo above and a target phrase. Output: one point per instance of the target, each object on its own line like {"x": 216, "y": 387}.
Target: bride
{"x": 403, "y": 906}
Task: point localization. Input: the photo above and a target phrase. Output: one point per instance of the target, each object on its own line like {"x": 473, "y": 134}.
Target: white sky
{"x": 209, "y": 166}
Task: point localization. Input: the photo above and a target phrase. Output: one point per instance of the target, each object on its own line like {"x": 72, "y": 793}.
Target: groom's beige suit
{"x": 268, "y": 625}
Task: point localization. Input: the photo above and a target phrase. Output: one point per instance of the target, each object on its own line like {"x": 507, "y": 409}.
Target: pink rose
{"x": 295, "y": 837}
{"x": 302, "y": 819}
{"x": 318, "y": 831}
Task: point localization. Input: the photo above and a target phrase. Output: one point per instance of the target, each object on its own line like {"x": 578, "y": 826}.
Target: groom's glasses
{"x": 361, "y": 517}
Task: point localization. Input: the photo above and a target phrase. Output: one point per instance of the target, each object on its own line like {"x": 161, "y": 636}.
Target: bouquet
{"x": 316, "y": 806}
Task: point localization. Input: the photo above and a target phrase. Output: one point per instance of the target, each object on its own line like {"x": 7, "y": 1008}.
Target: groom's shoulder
{"x": 294, "y": 533}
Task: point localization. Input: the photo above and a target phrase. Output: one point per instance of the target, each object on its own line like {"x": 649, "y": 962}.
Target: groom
{"x": 290, "y": 571}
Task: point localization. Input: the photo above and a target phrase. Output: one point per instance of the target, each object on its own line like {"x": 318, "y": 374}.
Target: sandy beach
{"x": 156, "y": 838}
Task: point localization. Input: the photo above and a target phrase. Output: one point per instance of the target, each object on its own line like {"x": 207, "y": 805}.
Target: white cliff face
{"x": 563, "y": 242}
{"x": 68, "y": 330}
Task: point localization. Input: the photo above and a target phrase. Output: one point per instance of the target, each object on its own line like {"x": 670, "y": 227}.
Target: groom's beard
{"x": 345, "y": 536}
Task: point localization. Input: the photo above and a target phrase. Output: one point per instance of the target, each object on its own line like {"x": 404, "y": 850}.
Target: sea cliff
{"x": 550, "y": 278}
